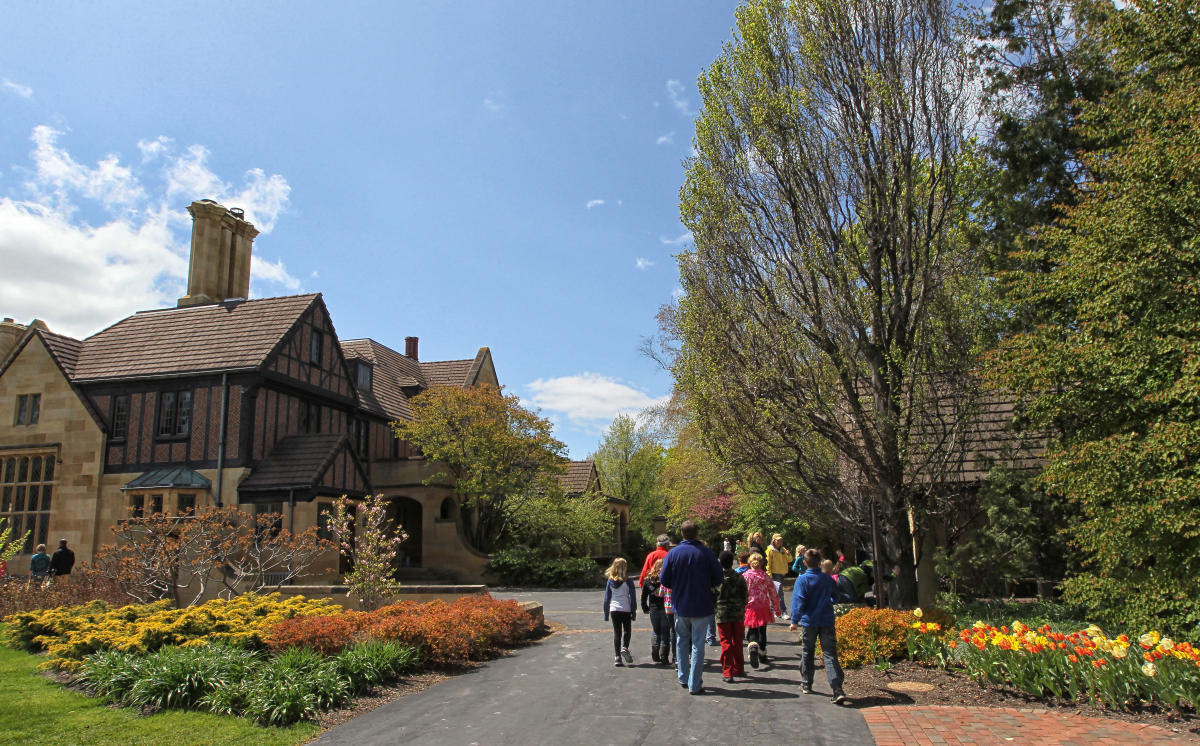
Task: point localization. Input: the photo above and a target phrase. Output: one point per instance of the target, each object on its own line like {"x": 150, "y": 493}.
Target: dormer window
{"x": 364, "y": 375}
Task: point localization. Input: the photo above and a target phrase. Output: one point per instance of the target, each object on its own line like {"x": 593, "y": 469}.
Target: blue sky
{"x": 475, "y": 174}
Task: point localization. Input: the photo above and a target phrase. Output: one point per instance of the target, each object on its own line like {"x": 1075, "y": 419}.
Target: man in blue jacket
{"x": 812, "y": 609}
{"x": 691, "y": 571}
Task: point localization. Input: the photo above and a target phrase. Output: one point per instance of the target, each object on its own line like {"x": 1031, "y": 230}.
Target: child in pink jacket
{"x": 761, "y": 608}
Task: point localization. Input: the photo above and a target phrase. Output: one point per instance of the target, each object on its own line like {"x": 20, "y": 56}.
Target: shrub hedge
{"x": 446, "y": 634}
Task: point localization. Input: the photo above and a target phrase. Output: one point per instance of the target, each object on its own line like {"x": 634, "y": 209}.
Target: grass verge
{"x": 34, "y": 709}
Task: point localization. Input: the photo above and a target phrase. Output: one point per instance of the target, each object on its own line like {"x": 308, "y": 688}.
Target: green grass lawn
{"x": 35, "y": 710}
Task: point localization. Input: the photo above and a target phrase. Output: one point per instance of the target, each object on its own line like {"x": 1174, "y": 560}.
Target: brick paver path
{"x": 941, "y": 724}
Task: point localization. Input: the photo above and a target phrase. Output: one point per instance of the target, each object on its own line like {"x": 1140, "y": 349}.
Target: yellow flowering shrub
{"x": 70, "y": 633}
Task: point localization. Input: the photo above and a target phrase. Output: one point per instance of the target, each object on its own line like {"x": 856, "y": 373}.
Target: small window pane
{"x": 22, "y": 409}
{"x": 184, "y": 419}
{"x": 46, "y": 497}
{"x": 23, "y": 469}
{"x": 29, "y": 526}
{"x": 156, "y": 503}
{"x": 120, "y": 417}
{"x": 10, "y": 467}
{"x": 49, "y": 462}
{"x": 6, "y": 495}
{"x": 35, "y": 408}
{"x": 137, "y": 503}
{"x": 187, "y": 503}
{"x": 35, "y": 469}
{"x": 43, "y": 528}
{"x": 20, "y": 504}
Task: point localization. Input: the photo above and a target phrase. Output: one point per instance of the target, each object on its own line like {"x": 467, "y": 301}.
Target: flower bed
{"x": 70, "y": 633}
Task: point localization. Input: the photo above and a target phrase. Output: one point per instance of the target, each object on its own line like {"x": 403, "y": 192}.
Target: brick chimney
{"x": 220, "y": 262}
{"x": 410, "y": 347}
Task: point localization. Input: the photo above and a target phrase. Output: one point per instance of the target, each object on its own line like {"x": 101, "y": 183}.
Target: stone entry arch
{"x": 408, "y": 513}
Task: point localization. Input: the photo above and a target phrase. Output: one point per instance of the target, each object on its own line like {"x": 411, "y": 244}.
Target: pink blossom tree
{"x": 372, "y": 549}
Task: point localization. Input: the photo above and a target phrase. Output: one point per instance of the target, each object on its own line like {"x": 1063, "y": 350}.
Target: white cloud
{"x": 594, "y": 203}
{"x": 643, "y": 263}
{"x": 678, "y": 100}
{"x": 493, "y": 103}
{"x": 677, "y": 293}
{"x": 589, "y": 400}
{"x": 23, "y": 91}
{"x": 666, "y": 139}
{"x": 79, "y": 274}
{"x": 682, "y": 239}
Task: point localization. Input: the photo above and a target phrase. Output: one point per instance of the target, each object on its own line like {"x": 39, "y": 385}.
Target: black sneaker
{"x": 617, "y": 661}
{"x": 754, "y": 655}
{"x": 840, "y": 698}
{"x": 628, "y": 656}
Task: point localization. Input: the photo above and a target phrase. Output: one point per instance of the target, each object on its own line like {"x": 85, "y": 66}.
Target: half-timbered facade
{"x": 219, "y": 401}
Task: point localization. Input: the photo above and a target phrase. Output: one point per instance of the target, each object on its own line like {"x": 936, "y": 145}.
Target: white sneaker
{"x": 754, "y": 655}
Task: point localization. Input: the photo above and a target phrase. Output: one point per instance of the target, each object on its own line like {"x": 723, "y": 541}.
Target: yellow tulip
{"x": 917, "y": 612}
{"x": 1149, "y": 669}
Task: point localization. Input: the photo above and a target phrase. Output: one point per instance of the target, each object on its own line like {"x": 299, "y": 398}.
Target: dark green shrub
{"x": 297, "y": 684}
{"x": 181, "y": 677}
{"x": 521, "y": 566}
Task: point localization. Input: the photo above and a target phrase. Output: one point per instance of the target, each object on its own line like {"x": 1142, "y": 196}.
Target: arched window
{"x": 447, "y": 511}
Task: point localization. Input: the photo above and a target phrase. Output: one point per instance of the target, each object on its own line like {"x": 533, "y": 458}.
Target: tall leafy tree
{"x": 825, "y": 345}
{"x": 1123, "y": 375}
{"x": 496, "y": 454}
{"x": 629, "y": 460}
{"x": 1043, "y": 62}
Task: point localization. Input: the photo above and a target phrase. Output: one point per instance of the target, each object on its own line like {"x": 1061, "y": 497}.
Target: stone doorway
{"x": 407, "y": 512}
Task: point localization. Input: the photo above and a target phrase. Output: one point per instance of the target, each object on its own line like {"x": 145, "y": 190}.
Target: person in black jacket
{"x": 62, "y": 560}
{"x": 654, "y": 603}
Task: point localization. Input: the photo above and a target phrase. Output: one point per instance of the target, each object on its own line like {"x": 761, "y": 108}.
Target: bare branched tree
{"x": 827, "y": 320}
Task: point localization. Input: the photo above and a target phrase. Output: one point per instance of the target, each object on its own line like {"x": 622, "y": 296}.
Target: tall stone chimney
{"x": 10, "y": 333}
{"x": 220, "y": 262}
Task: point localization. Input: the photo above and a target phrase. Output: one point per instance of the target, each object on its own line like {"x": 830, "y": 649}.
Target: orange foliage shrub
{"x": 868, "y": 635}
{"x": 447, "y": 634}
{"x": 324, "y": 634}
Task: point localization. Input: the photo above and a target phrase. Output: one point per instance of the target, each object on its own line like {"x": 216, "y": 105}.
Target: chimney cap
{"x": 238, "y": 213}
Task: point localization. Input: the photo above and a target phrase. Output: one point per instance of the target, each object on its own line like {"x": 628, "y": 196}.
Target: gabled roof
{"x": 65, "y": 350}
{"x": 231, "y": 335}
{"x": 297, "y": 462}
{"x": 577, "y": 477}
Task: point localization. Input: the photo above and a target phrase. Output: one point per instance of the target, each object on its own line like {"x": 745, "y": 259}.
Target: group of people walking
{"x": 687, "y": 590}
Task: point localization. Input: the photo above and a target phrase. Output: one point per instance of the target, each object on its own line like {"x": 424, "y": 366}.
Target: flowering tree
{"x": 371, "y": 550}
{"x": 174, "y": 556}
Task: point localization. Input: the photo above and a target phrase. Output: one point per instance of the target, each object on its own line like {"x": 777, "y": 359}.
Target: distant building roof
{"x": 578, "y": 477}
{"x": 391, "y": 373}
{"x": 64, "y": 349}
{"x": 195, "y": 339}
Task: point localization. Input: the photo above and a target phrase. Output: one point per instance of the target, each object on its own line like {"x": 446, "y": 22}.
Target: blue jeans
{"x": 690, "y": 632}
{"x": 778, "y": 578}
{"x": 833, "y": 670}
{"x": 712, "y": 628}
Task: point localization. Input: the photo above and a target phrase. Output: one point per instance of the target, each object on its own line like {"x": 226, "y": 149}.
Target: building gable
{"x": 310, "y": 354}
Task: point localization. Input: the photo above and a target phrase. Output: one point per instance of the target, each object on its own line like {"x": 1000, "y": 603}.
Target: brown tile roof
{"x": 222, "y": 336}
{"x": 577, "y": 477}
{"x": 390, "y": 374}
{"x": 447, "y": 372}
{"x": 296, "y": 462}
{"x": 64, "y": 349}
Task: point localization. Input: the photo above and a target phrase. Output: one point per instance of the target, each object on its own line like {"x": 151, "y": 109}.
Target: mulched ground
{"x": 870, "y": 687}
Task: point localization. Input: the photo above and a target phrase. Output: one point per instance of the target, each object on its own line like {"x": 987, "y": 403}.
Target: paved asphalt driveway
{"x": 565, "y": 690}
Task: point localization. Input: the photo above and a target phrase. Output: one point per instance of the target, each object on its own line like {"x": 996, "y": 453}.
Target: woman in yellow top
{"x": 779, "y": 559}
